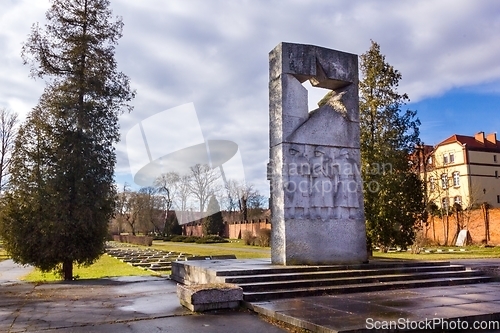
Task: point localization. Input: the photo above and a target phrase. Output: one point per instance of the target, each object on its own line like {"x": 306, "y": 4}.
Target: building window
{"x": 498, "y": 198}
{"x": 456, "y": 179}
{"x": 496, "y": 173}
{"x": 429, "y": 160}
{"x": 457, "y": 200}
{"x": 495, "y": 158}
{"x": 444, "y": 181}
{"x": 432, "y": 183}
{"x": 445, "y": 159}
{"x": 452, "y": 158}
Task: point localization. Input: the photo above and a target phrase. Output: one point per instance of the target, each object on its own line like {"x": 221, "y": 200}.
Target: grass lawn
{"x": 243, "y": 251}
{"x": 236, "y": 247}
{"x": 3, "y": 254}
{"x": 105, "y": 266}
{"x": 472, "y": 252}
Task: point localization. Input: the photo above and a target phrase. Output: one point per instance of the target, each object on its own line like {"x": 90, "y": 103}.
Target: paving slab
{"x": 126, "y": 304}
{"x": 150, "y": 304}
{"x": 468, "y": 305}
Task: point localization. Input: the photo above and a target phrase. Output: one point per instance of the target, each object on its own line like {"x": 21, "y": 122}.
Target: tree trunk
{"x": 458, "y": 226}
{"x": 68, "y": 270}
{"x": 445, "y": 229}
{"x": 433, "y": 229}
{"x": 245, "y": 209}
{"x": 486, "y": 216}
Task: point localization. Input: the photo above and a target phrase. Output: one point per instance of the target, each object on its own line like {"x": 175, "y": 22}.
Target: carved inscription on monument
{"x": 322, "y": 183}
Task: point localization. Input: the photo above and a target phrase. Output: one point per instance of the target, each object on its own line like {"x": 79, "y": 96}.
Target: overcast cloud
{"x": 215, "y": 54}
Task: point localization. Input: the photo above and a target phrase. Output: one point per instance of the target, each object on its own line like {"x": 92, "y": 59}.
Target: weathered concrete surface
{"x": 207, "y": 297}
{"x": 314, "y": 168}
{"x": 436, "y": 309}
{"x": 145, "y": 304}
{"x": 115, "y": 305}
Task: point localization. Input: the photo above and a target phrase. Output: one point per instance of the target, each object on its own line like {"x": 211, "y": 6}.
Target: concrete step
{"x": 327, "y": 274}
{"x": 308, "y": 282}
{"x": 264, "y": 281}
{"x": 359, "y": 287}
{"x": 304, "y": 269}
{"x": 142, "y": 264}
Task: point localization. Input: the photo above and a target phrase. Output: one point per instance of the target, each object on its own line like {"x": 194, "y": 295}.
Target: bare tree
{"x": 242, "y": 197}
{"x": 247, "y": 196}
{"x": 121, "y": 206}
{"x": 176, "y": 191}
{"x": 439, "y": 191}
{"x": 167, "y": 186}
{"x": 443, "y": 185}
{"x": 124, "y": 208}
{"x": 183, "y": 193}
{"x": 151, "y": 210}
{"x": 8, "y": 122}
{"x": 233, "y": 194}
{"x": 203, "y": 184}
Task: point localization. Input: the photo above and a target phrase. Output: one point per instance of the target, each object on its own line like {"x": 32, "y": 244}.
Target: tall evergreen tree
{"x": 213, "y": 224}
{"x": 393, "y": 193}
{"x": 61, "y": 196}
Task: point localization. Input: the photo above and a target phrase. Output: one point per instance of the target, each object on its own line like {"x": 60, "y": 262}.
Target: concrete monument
{"x": 314, "y": 169}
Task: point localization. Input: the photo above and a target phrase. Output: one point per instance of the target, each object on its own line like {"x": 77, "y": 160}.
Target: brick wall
{"x": 434, "y": 231}
{"x": 475, "y": 224}
{"x": 233, "y": 230}
{"x": 131, "y": 239}
{"x": 192, "y": 229}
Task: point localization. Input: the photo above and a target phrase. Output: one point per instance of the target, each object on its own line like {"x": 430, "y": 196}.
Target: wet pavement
{"x": 425, "y": 309}
{"x": 150, "y": 304}
{"x": 126, "y": 304}
{"x": 463, "y": 308}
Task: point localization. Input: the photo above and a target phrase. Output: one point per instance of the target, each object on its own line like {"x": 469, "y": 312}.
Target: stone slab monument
{"x": 314, "y": 169}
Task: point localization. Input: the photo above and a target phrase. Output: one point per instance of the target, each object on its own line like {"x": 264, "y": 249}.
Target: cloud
{"x": 215, "y": 55}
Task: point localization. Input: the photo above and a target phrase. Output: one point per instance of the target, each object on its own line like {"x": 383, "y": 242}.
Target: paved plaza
{"x": 150, "y": 304}
{"x": 126, "y": 304}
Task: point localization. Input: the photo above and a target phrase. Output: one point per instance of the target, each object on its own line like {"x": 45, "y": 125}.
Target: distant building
{"x": 462, "y": 170}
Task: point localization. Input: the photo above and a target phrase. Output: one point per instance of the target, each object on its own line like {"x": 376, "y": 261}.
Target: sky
{"x": 211, "y": 56}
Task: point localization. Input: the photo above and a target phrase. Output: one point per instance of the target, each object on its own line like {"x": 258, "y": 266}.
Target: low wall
{"x": 131, "y": 239}
{"x": 233, "y": 230}
{"x": 192, "y": 229}
{"x": 236, "y": 230}
{"x": 438, "y": 229}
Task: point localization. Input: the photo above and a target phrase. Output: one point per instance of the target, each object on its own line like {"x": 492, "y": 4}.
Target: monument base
{"x": 318, "y": 242}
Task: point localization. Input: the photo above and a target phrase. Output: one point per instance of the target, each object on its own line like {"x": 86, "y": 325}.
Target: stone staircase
{"x": 278, "y": 282}
{"x": 154, "y": 260}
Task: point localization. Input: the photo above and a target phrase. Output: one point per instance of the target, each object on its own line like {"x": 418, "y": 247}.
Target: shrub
{"x": 248, "y": 237}
{"x": 178, "y": 238}
{"x": 169, "y": 238}
{"x": 264, "y": 237}
{"x": 211, "y": 239}
{"x": 190, "y": 239}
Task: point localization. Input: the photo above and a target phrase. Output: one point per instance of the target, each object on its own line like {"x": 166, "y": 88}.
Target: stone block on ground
{"x": 210, "y": 296}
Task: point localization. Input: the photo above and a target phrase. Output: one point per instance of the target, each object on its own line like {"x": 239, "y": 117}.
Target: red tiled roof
{"x": 471, "y": 142}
